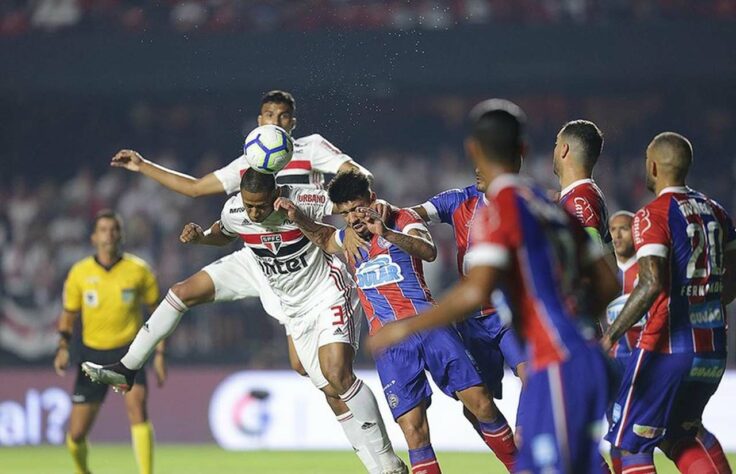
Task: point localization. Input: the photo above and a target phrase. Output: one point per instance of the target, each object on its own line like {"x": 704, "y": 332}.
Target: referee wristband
{"x": 66, "y": 336}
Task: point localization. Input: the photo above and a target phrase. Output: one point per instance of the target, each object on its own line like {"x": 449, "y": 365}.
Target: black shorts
{"x": 87, "y": 391}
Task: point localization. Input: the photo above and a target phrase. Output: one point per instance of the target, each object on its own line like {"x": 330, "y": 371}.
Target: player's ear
{"x": 373, "y": 197}
{"x": 260, "y": 120}
{"x": 293, "y": 125}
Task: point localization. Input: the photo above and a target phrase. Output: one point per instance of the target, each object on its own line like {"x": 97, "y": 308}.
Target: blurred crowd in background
{"x": 187, "y": 100}
{"x": 45, "y": 213}
{"x": 19, "y": 17}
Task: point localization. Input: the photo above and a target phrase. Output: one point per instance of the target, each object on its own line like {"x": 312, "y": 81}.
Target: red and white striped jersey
{"x": 313, "y": 157}
{"x": 298, "y": 272}
{"x": 692, "y": 232}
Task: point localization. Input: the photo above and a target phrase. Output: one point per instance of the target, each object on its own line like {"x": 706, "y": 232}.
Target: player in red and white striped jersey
{"x": 313, "y": 157}
{"x": 686, "y": 250}
{"x": 316, "y": 297}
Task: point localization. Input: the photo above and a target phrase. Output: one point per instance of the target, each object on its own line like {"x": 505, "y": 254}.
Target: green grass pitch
{"x": 209, "y": 459}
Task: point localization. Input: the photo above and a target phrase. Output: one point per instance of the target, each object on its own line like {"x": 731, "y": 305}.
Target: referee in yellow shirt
{"x": 108, "y": 289}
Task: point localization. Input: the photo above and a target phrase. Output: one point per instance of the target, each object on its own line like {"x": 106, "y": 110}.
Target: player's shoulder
{"x": 308, "y": 140}
{"x": 658, "y": 206}
{"x": 133, "y": 259}
{"x": 83, "y": 265}
{"x": 406, "y": 216}
{"x": 233, "y": 205}
{"x": 304, "y": 194}
{"x": 136, "y": 261}
{"x": 315, "y": 143}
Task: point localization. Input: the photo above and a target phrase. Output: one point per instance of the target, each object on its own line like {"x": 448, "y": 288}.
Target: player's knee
{"x": 417, "y": 435}
{"x": 188, "y": 292}
{"x": 77, "y": 435}
{"x": 341, "y": 378}
{"x": 484, "y": 408}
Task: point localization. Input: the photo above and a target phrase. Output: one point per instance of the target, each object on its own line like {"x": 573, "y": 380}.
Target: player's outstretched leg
{"x": 493, "y": 426}
{"x": 195, "y": 290}
{"x": 336, "y": 363}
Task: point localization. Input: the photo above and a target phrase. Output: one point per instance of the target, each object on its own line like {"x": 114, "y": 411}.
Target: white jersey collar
{"x": 627, "y": 264}
{"x": 674, "y": 189}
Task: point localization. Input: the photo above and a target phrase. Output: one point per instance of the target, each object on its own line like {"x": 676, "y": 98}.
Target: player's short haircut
{"x": 680, "y": 148}
{"x": 107, "y": 214}
{"x": 279, "y": 97}
{"x": 616, "y": 214}
{"x": 588, "y": 135}
{"x": 498, "y": 126}
{"x": 256, "y": 182}
{"x": 349, "y": 186}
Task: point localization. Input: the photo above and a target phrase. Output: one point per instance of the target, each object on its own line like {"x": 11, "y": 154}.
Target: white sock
{"x": 162, "y": 322}
{"x": 355, "y": 436}
{"x": 361, "y": 402}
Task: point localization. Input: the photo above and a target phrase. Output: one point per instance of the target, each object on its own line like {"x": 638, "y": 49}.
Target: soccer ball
{"x": 268, "y": 148}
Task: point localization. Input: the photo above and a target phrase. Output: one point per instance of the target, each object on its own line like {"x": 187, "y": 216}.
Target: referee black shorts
{"x": 87, "y": 391}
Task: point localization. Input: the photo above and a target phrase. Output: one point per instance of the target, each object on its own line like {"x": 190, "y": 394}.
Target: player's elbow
{"x": 430, "y": 254}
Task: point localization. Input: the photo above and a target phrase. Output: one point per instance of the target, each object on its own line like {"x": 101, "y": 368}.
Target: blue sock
{"x": 637, "y": 459}
{"x": 421, "y": 455}
{"x": 493, "y": 426}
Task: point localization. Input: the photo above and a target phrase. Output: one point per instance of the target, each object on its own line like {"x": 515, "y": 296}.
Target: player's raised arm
{"x": 174, "y": 180}
{"x": 216, "y": 235}
{"x": 323, "y": 235}
{"x": 415, "y": 239}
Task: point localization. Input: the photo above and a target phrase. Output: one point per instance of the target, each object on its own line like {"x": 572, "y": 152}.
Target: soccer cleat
{"x": 402, "y": 469}
{"x": 116, "y": 375}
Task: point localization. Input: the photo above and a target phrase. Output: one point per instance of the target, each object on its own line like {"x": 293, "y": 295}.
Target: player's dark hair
{"x": 588, "y": 135}
{"x": 279, "y": 97}
{"x": 349, "y": 186}
{"x": 498, "y": 127}
{"x": 107, "y": 214}
{"x": 256, "y": 182}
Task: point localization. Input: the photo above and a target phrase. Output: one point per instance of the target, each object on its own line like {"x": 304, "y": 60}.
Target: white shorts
{"x": 238, "y": 276}
{"x": 335, "y": 321}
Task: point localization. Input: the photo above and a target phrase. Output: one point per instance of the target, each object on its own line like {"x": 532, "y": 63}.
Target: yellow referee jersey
{"x": 110, "y": 299}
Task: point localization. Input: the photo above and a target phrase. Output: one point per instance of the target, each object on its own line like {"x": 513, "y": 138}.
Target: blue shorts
{"x": 662, "y": 396}
{"x": 439, "y": 351}
{"x": 490, "y": 344}
{"x": 564, "y": 408}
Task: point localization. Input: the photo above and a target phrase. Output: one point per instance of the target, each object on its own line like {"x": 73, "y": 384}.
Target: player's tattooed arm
{"x": 174, "y": 180}
{"x": 416, "y": 242}
{"x": 194, "y": 234}
{"x": 323, "y": 235}
{"x": 652, "y": 274}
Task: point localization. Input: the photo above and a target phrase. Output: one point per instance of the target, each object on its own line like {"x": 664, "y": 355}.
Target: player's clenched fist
{"x": 128, "y": 159}
{"x": 191, "y": 233}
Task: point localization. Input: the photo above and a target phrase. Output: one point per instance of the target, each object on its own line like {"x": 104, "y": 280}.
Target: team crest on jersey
{"x": 91, "y": 299}
{"x": 272, "y": 242}
{"x": 128, "y": 295}
{"x": 378, "y": 271}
